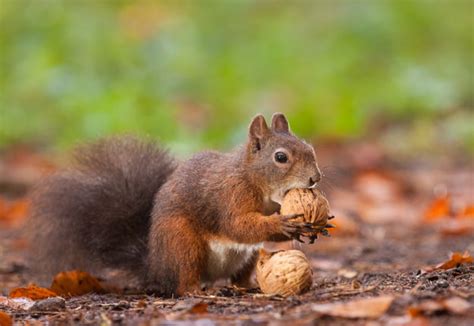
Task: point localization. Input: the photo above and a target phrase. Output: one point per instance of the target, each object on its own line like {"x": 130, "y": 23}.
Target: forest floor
{"x": 388, "y": 261}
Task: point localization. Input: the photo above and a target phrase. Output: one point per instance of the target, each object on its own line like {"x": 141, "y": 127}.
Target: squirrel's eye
{"x": 281, "y": 157}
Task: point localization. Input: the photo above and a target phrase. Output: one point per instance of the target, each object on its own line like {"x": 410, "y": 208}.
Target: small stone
{"x": 121, "y": 305}
{"x": 49, "y": 304}
{"x": 442, "y": 283}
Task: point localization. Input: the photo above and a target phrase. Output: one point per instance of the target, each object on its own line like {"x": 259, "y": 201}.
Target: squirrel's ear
{"x": 279, "y": 123}
{"x": 257, "y": 131}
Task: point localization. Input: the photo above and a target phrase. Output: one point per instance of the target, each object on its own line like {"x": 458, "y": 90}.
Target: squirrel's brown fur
{"x": 126, "y": 205}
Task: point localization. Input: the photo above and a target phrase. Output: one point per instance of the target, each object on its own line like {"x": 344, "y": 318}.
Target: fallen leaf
{"x": 466, "y": 212}
{"x": 359, "y": 308}
{"x": 13, "y": 212}
{"x": 74, "y": 283}
{"x": 5, "y": 319}
{"x": 425, "y": 307}
{"x": 191, "y": 306}
{"x": 199, "y": 308}
{"x": 438, "y": 209}
{"x": 455, "y": 260}
{"x": 454, "y": 305}
{"x": 33, "y": 292}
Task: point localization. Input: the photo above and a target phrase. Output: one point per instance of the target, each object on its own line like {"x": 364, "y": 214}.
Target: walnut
{"x": 309, "y": 202}
{"x": 313, "y": 207}
{"x": 285, "y": 272}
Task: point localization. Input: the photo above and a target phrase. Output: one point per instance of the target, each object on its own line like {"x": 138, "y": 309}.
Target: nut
{"x": 284, "y": 272}
{"x": 309, "y": 202}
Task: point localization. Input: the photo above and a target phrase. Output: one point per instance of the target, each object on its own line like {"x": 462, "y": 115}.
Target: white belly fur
{"x": 227, "y": 258}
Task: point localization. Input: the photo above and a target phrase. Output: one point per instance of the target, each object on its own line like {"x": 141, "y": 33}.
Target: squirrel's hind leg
{"x": 177, "y": 256}
{"x": 243, "y": 277}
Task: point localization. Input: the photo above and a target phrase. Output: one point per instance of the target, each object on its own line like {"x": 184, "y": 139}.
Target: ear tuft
{"x": 279, "y": 123}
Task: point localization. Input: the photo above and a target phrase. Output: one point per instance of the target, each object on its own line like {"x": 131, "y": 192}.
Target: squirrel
{"x": 127, "y": 204}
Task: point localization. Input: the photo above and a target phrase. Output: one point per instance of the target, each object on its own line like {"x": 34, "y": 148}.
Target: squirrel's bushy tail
{"x": 96, "y": 214}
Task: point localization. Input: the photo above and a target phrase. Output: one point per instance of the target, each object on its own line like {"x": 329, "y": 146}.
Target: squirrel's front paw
{"x": 292, "y": 228}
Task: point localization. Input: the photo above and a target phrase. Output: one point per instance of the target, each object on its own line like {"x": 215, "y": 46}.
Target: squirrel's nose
{"x": 314, "y": 180}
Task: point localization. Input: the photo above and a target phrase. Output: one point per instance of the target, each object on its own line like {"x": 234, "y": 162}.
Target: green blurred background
{"x": 193, "y": 73}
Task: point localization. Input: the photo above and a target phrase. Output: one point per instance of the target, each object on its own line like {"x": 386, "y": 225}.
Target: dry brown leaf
{"x": 455, "y": 260}
{"x": 191, "y": 306}
{"x": 453, "y": 305}
{"x": 466, "y": 212}
{"x": 74, "y": 283}
{"x": 199, "y": 308}
{"x": 33, "y": 292}
{"x": 359, "y": 308}
{"x": 13, "y": 212}
{"x": 438, "y": 209}
{"x": 5, "y": 319}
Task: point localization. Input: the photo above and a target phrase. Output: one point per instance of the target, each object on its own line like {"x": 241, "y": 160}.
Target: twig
{"x": 337, "y": 294}
{"x": 251, "y": 296}
{"x": 165, "y": 303}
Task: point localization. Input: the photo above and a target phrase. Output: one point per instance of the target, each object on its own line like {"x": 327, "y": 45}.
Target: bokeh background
{"x": 193, "y": 73}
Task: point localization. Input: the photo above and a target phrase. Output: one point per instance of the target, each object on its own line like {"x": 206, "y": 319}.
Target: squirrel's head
{"x": 280, "y": 160}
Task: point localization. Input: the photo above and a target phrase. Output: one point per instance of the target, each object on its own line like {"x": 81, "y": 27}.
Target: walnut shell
{"x": 309, "y": 202}
{"x": 285, "y": 272}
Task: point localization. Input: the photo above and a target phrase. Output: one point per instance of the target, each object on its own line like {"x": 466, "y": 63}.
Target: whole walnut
{"x": 309, "y": 202}
{"x": 284, "y": 273}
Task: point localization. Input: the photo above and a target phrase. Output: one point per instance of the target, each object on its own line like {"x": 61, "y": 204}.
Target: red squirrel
{"x": 127, "y": 204}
